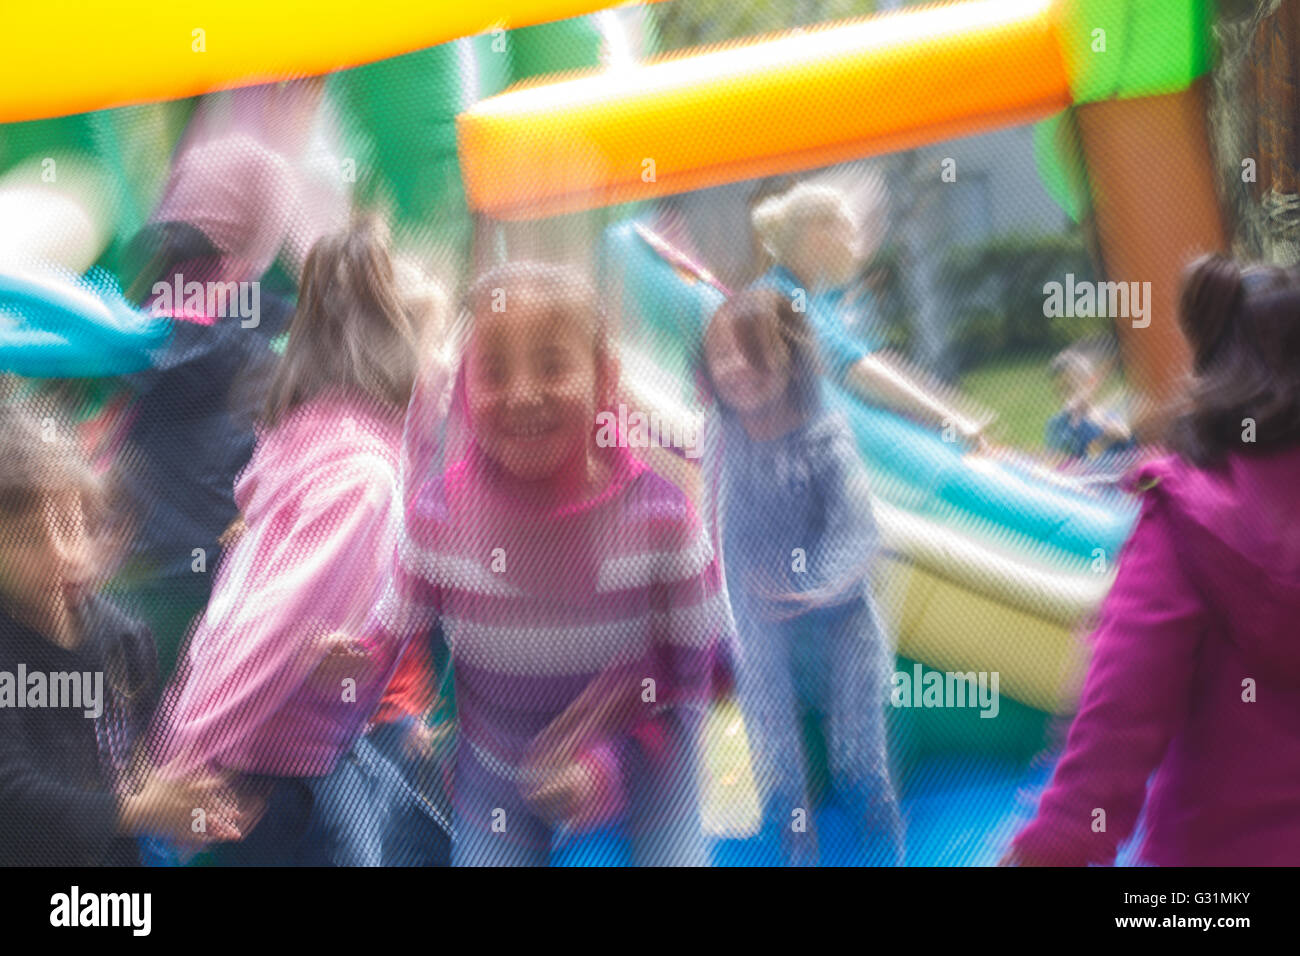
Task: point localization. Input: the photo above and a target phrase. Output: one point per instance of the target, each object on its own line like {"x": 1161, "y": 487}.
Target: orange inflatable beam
{"x": 1156, "y": 209}
{"x": 782, "y": 104}
{"x": 84, "y": 55}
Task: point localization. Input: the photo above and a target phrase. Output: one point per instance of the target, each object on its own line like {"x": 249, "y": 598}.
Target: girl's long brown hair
{"x": 351, "y": 329}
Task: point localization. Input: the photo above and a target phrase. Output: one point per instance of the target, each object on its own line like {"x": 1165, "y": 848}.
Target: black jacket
{"x": 57, "y": 806}
{"x": 193, "y": 433}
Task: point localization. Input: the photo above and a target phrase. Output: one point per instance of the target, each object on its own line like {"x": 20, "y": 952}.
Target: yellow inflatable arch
{"x": 94, "y": 54}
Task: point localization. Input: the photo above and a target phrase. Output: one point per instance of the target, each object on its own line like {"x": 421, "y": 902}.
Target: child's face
{"x": 829, "y": 249}
{"x": 1073, "y": 386}
{"x": 45, "y": 557}
{"x": 532, "y": 387}
{"x": 740, "y": 386}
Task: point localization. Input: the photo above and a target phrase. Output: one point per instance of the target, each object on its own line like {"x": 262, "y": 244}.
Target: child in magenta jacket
{"x": 1195, "y": 670}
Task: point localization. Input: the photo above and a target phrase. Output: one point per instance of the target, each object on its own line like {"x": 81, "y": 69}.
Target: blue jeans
{"x": 832, "y": 663}
{"x": 417, "y": 824}
{"x": 335, "y": 820}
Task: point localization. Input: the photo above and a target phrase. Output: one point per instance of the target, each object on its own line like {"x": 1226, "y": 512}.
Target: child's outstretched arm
{"x": 881, "y": 383}
{"x": 47, "y": 822}
{"x": 1137, "y": 695}
{"x": 43, "y": 821}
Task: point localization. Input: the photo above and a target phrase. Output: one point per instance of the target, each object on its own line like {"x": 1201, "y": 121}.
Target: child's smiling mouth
{"x": 528, "y": 431}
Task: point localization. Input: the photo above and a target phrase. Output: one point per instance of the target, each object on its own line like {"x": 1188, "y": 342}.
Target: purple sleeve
{"x": 1135, "y": 699}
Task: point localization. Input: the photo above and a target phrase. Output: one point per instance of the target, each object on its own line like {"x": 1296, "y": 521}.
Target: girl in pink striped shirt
{"x": 576, "y": 589}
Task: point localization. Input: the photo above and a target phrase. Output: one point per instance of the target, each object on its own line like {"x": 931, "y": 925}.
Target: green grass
{"x": 1020, "y": 390}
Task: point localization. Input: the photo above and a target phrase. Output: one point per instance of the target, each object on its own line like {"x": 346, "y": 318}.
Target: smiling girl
{"x": 576, "y": 589}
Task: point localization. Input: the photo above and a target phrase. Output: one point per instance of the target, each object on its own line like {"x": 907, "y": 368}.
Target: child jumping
{"x": 798, "y": 543}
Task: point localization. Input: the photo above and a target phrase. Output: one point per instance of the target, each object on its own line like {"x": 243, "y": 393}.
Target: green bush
{"x": 996, "y": 290}
{"x": 882, "y": 276}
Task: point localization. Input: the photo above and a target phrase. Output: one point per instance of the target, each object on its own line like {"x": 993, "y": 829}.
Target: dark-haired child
{"x": 1195, "y": 669}
{"x": 76, "y": 674}
{"x": 799, "y": 543}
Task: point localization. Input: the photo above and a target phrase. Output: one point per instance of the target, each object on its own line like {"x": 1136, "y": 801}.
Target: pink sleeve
{"x": 1134, "y": 701}
{"x": 409, "y": 605}
{"x": 292, "y": 581}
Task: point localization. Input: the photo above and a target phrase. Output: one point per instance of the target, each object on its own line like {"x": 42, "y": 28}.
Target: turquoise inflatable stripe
{"x": 73, "y": 329}
{"x": 936, "y": 479}
{"x": 662, "y": 309}
{"x": 37, "y": 354}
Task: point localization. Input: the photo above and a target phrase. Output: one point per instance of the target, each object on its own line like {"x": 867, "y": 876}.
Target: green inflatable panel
{"x": 131, "y": 146}
{"x": 400, "y": 115}
{"x": 400, "y": 120}
{"x": 661, "y": 309}
{"x": 1017, "y": 731}
{"x": 1058, "y": 155}
{"x": 1130, "y": 48}
{"x": 555, "y": 47}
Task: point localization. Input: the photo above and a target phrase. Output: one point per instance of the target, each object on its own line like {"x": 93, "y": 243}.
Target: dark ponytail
{"x": 1243, "y": 326}
{"x": 1210, "y": 299}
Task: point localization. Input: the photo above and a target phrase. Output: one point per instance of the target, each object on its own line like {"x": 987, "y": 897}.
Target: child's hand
{"x": 606, "y": 707}
{"x": 230, "y": 537}
{"x": 575, "y": 794}
{"x": 764, "y": 586}
{"x": 973, "y": 434}
{"x": 166, "y": 807}
{"x": 343, "y": 658}
{"x": 787, "y": 605}
{"x": 980, "y": 444}
{"x": 780, "y": 604}
{"x": 558, "y": 797}
{"x": 421, "y": 740}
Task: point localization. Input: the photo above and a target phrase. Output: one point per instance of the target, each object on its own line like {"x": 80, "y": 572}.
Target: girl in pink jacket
{"x": 264, "y": 690}
{"x": 1195, "y": 669}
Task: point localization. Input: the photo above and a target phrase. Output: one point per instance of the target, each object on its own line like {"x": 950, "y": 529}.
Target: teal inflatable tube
{"x": 941, "y": 481}
{"x": 62, "y": 328}
{"x": 36, "y": 354}
{"x": 660, "y": 307}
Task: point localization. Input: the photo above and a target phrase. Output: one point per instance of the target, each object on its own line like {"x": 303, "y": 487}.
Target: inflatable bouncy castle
{"x": 520, "y": 117}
